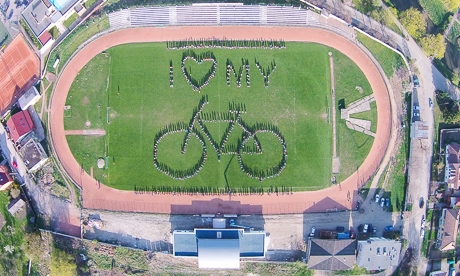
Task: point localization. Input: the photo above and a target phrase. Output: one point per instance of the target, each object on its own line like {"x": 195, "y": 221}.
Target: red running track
{"x": 339, "y": 197}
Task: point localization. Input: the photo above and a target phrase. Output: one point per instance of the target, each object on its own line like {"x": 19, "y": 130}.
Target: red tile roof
{"x": 45, "y": 37}
{"x": 19, "y": 125}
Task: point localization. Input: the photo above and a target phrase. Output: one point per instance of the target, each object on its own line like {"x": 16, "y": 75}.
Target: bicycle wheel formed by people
{"x": 250, "y": 135}
{"x": 173, "y": 130}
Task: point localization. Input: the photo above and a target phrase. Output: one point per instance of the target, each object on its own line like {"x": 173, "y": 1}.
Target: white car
{"x": 382, "y": 202}
{"x": 366, "y": 227}
{"x": 312, "y": 233}
{"x": 422, "y": 233}
{"x": 377, "y": 197}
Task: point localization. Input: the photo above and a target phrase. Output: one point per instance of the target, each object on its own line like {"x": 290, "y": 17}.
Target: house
{"x": 5, "y": 179}
{"x": 32, "y": 154}
{"x": 452, "y": 169}
{"x": 16, "y": 206}
{"x": 43, "y": 15}
{"x": 19, "y": 125}
{"x": 447, "y": 231}
{"x": 378, "y": 253}
{"x": 30, "y": 97}
{"x": 219, "y": 248}
{"x": 331, "y": 254}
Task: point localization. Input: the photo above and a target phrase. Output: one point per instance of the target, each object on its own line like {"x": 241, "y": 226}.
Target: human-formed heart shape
{"x": 198, "y": 83}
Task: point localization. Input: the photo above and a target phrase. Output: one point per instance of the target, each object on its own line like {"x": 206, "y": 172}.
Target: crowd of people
{"x": 233, "y": 117}
{"x": 204, "y": 81}
{"x": 171, "y": 74}
{"x": 224, "y": 43}
{"x": 204, "y": 190}
{"x": 266, "y": 73}
{"x": 260, "y": 173}
{"x": 239, "y": 76}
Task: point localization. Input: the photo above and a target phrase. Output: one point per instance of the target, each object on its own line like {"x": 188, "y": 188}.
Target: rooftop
{"x": 331, "y": 254}
{"x": 450, "y": 228}
{"x": 32, "y": 153}
{"x": 37, "y": 15}
{"x": 19, "y": 125}
{"x": 219, "y": 248}
{"x": 378, "y": 253}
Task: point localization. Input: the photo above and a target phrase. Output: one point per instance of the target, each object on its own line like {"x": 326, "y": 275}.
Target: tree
{"x": 451, "y": 5}
{"x": 62, "y": 263}
{"x": 414, "y": 23}
{"x": 456, "y": 76}
{"x": 433, "y": 45}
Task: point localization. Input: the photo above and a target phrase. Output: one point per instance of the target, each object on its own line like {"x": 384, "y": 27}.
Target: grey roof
{"x": 14, "y": 208}
{"x": 219, "y": 253}
{"x": 36, "y": 14}
{"x": 32, "y": 153}
{"x": 449, "y": 229}
{"x": 331, "y": 254}
{"x": 378, "y": 253}
{"x": 185, "y": 243}
{"x": 252, "y": 244}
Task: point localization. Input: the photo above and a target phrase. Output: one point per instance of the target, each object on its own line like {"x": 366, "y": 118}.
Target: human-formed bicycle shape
{"x": 233, "y": 118}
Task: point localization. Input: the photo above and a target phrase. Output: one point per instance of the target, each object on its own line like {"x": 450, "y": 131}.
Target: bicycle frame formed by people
{"x": 233, "y": 118}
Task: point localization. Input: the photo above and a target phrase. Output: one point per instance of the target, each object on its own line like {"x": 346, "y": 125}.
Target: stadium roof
{"x": 219, "y": 253}
{"x": 219, "y": 248}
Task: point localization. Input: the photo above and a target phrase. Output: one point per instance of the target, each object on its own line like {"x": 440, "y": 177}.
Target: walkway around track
{"x": 336, "y": 198}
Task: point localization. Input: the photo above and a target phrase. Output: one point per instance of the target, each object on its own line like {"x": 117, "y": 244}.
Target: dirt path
{"x": 338, "y": 197}
{"x": 90, "y": 132}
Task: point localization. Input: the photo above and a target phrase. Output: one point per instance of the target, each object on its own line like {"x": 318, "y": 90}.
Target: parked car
{"x": 365, "y": 228}
{"x": 389, "y": 228}
{"x": 377, "y": 197}
{"x": 352, "y": 234}
{"x": 430, "y": 102}
{"x": 423, "y": 221}
{"x": 422, "y": 233}
{"x": 340, "y": 229}
{"x": 374, "y": 230}
{"x": 312, "y": 233}
{"x": 382, "y": 202}
{"x": 421, "y": 202}
{"x": 361, "y": 228}
{"x": 416, "y": 81}
{"x": 387, "y": 201}
{"x": 10, "y": 14}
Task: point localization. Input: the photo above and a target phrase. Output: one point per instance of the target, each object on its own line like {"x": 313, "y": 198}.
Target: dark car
{"x": 360, "y": 228}
{"x": 389, "y": 228}
{"x": 421, "y": 203}
{"x": 387, "y": 201}
{"x": 374, "y": 230}
{"x": 416, "y": 82}
{"x": 340, "y": 229}
{"x": 10, "y": 14}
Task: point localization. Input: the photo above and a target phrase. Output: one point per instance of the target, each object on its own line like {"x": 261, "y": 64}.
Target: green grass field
{"x": 133, "y": 81}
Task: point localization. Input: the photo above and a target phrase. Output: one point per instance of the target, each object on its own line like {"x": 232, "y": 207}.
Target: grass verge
{"x": 388, "y": 59}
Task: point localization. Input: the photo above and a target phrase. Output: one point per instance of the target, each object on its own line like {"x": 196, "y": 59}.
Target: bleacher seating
{"x": 150, "y": 16}
{"x": 240, "y": 15}
{"x": 279, "y": 15}
{"x": 119, "y": 19}
{"x": 212, "y": 14}
{"x": 193, "y": 15}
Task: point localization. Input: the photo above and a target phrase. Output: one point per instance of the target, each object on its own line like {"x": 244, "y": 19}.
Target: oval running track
{"x": 336, "y": 198}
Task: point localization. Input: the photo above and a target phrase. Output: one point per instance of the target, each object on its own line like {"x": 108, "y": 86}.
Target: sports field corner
{"x": 338, "y": 197}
